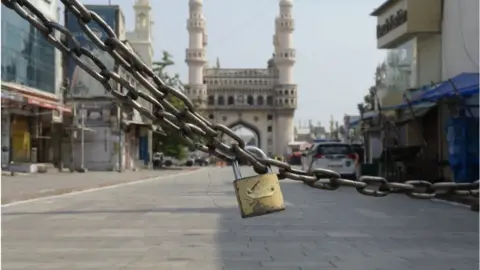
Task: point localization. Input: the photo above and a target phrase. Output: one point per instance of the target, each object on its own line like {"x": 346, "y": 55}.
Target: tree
{"x": 173, "y": 146}
{"x": 368, "y": 103}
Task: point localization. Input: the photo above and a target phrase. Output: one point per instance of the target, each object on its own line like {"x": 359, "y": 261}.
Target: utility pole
{"x": 73, "y": 134}
{"x": 120, "y": 137}
{"x": 82, "y": 155}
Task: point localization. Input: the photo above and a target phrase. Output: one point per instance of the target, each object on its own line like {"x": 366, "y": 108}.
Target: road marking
{"x": 98, "y": 188}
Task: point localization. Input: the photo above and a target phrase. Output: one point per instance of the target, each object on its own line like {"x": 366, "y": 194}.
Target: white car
{"x": 335, "y": 156}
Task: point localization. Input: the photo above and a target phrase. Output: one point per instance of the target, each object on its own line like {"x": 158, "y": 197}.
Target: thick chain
{"x": 198, "y": 133}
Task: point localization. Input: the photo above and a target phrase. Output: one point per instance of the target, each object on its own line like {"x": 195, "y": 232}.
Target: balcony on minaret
{"x": 285, "y": 23}
{"x": 195, "y": 55}
{"x": 195, "y": 3}
{"x": 286, "y": 103}
{"x": 286, "y": 96}
{"x": 196, "y": 24}
{"x": 285, "y": 56}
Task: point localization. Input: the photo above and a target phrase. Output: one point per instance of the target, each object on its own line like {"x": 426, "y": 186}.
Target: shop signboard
{"x": 401, "y": 20}
{"x": 82, "y": 85}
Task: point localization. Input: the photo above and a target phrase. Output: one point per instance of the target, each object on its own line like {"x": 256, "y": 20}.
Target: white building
{"x": 261, "y": 99}
{"x": 141, "y": 39}
{"x": 104, "y": 136}
{"x": 440, "y": 40}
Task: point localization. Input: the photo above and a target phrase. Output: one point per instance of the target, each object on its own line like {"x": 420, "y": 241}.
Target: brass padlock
{"x": 257, "y": 195}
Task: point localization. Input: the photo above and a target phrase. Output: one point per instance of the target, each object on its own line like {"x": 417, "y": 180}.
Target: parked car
{"x": 202, "y": 161}
{"x": 335, "y": 156}
{"x": 157, "y": 159}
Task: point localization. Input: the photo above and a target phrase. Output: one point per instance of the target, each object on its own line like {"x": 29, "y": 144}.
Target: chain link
{"x": 197, "y": 132}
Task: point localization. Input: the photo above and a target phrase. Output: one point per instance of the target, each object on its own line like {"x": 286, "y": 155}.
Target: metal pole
{"x": 120, "y": 137}
{"x": 73, "y": 133}
{"x": 82, "y": 166}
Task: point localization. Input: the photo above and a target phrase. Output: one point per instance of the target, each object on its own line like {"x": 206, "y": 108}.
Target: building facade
{"x": 32, "y": 96}
{"x": 102, "y": 136}
{"x": 427, "y": 42}
{"x": 262, "y": 100}
{"x": 141, "y": 40}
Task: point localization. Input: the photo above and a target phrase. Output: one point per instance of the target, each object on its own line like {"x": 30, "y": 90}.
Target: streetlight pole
{"x": 120, "y": 136}
{"x": 82, "y": 156}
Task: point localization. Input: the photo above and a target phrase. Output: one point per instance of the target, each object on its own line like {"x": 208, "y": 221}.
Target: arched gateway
{"x": 262, "y": 100}
{"x": 242, "y": 125}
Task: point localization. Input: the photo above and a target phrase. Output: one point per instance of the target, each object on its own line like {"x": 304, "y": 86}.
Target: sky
{"x": 335, "y": 43}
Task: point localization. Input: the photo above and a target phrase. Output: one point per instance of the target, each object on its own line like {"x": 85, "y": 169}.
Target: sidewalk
{"x": 31, "y": 186}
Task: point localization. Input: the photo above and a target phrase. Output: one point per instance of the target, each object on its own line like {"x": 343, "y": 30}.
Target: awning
{"x": 357, "y": 119}
{"x": 466, "y": 84}
{"x": 12, "y": 96}
{"x": 21, "y": 93}
{"x": 47, "y": 104}
{"x": 419, "y": 110}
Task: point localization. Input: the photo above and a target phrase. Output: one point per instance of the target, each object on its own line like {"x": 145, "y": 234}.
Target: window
{"x": 231, "y": 100}
{"x": 142, "y": 20}
{"x": 270, "y": 100}
{"x": 210, "y": 116}
{"x": 260, "y": 100}
{"x": 269, "y": 117}
{"x": 27, "y": 57}
{"x": 269, "y": 128}
{"x": 211, "y": 100}
{"x": 221, "y": 100}
{"x": 250, "y": 100}
{"x": 330, "y": 149}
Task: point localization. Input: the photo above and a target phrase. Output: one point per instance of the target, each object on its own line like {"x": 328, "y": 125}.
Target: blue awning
{"x": 465, "y": 83}
{"x": 356, "y": 120}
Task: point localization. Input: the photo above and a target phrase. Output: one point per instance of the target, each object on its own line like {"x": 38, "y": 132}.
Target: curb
{"x": 468, "y": 202}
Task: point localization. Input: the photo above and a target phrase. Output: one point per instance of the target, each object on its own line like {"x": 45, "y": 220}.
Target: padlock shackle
{"x": 256, "y": 151}
{"x": 236, "y": 170}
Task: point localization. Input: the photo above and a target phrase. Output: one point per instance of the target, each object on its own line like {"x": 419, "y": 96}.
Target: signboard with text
{"x": 401, "y": 20}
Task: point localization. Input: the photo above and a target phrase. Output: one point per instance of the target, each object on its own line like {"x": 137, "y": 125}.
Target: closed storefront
{"x": 20, "y": 138}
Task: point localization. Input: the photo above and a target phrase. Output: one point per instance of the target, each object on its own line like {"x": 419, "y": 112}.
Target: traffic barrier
{"x": 220, "y": 164}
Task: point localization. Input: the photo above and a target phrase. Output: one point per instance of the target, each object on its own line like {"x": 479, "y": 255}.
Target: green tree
{"x": 170, "y": 145}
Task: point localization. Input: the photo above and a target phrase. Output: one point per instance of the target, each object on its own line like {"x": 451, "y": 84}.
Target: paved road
{"x": 192, "y": 222}
{"x": 31, "y": 186}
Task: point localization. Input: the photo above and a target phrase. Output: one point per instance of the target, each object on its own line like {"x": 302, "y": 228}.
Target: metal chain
{"x": 198, "y": 133}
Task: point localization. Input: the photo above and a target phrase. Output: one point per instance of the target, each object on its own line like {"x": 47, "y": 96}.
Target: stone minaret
{"x": 141, "y": 38}
{"x": 286, "y": 89}
{"x": 196, "y": 59}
